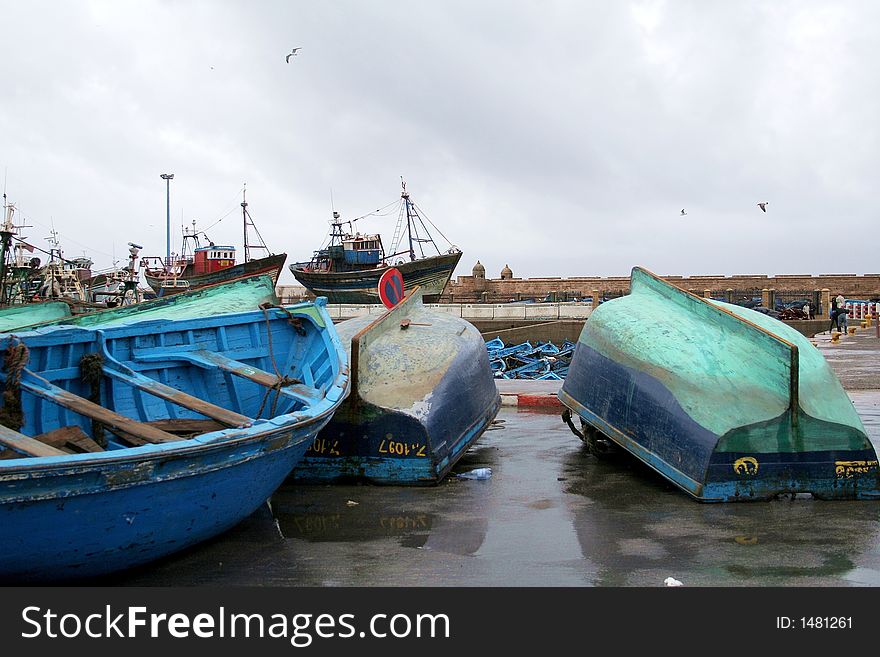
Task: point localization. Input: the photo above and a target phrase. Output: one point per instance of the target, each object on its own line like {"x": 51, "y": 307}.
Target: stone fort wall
{"x": 478, "y": 289}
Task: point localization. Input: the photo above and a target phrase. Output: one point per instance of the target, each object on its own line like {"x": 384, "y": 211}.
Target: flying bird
{"x": 763, "y": 205}
{"x": 292, "y": 54}
{"x": 683, "y": 212}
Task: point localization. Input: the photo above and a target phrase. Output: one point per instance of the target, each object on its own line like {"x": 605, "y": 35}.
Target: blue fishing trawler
{"x": 725, "y": 402}
{"x": 422, "y": 393}
{"x": 348, "y": 269}
{"x": 122, "y": 444}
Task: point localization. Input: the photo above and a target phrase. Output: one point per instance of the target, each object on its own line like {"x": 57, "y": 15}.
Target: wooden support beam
{"x": 307, "y": 395}
{"x": 175, "y": 396}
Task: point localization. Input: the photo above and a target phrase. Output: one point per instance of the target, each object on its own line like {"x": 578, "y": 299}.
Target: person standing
{"x": 834, "y": 324}
{"x": 842, "y": 312}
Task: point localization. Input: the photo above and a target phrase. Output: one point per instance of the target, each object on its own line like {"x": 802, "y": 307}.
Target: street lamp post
{"x": 167, "y": 177}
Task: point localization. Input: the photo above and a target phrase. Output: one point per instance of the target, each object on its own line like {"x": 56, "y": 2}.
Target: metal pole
{"x": 167, "y": 177}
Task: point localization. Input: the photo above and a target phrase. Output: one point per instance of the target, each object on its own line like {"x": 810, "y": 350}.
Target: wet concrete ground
{"x": 550, "y": 515}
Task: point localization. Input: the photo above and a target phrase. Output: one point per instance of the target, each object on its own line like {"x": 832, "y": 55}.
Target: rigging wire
{"x": 424, "y": 216}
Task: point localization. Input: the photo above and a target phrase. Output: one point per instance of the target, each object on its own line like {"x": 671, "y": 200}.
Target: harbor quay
{"x": 550, "y": 514}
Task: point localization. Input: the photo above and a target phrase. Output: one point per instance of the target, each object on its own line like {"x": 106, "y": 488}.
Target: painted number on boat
{"x": 397, "y": 448}
{"x": 391, "y": 287}
{"x": 325, "y": 447}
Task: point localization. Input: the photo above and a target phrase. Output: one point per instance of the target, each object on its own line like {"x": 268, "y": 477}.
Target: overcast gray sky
{"x": 561, "y": 138}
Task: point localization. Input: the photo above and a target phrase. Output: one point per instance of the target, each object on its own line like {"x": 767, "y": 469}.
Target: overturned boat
{"x": 15, "y": 317}
{"x": 422, "y": 393}
{"x": 123, "y": 444}
{"x": 725, "y": 402}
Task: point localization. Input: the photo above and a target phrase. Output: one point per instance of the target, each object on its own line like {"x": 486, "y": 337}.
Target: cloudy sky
{"x": 561, "y": 138}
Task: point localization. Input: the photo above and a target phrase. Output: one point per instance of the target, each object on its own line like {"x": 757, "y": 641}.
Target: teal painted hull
{"x": 16, "y": 317}
{"x": 236, "y": 296}
{"x": 725, "y": 402}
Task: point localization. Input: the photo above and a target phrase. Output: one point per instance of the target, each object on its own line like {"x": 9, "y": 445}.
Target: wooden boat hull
{"x": 431, "y": 274}
{"x": 86, "y": 514}
{"x": 270, "y": 266}
{"x": 421, "y": 396}
{"x": 13, "y": 318}
{"x": 726, "y": 403}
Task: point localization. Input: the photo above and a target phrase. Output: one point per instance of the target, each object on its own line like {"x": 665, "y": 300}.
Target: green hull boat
{"x": 725, "y": 402}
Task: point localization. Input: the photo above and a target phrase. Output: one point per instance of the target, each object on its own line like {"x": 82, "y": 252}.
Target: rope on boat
{"x": 596, "y": 443}
{"x": 295, "y": 322}
{"x": 566, "y": 417}
{"x": 91, "y": 371}
{"x": 15, "y": 357}
{"x": 281, "y": 381}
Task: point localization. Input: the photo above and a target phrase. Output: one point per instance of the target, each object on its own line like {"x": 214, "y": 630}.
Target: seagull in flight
{"x": 763, "y": 205}
{"x": 292, "y": 54}
{"x": 683, "y": 212}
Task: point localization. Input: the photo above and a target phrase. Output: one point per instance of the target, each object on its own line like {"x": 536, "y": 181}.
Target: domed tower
{"x": 479, "y": 274}
{"x": 506, "y": 273}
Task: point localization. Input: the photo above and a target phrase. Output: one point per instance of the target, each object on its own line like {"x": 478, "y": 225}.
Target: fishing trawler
{"x": 348, "y": 269}
{"x": 198, "y": 266}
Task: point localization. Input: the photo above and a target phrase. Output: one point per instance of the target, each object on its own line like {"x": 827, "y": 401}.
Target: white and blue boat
{"x": 126, "y": 443}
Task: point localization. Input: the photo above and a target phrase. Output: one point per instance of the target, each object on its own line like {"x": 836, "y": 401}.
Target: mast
{"x": 5, "y": 240}
{"x": 244, "y": 220}
{"x": 167, "y": 177}
{"x": 249, "y": 223}
{"x": 405, "y": 195}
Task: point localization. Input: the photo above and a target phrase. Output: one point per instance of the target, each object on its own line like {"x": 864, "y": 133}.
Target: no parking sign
{"x": 391, "y": 287}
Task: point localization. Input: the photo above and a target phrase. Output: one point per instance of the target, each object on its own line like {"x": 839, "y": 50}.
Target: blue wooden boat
{"x": 422, "y": 393}
{"x": 123, "y": 444}
{"x": 725, "y": 402}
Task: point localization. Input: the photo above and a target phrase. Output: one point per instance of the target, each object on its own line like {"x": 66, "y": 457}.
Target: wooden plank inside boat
{"x": 204, "y": 358}
{"x": 72, "y": 440}
{"x": 113, "y": 421}
{"x": 186, "y": 427}
{"x": 18, "y": 442}
{"x": 175, "y": 396}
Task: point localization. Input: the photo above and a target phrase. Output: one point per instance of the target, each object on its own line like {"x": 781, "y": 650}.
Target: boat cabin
{"x": 362, "y": 249}
{"x": 213, "y": 258}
